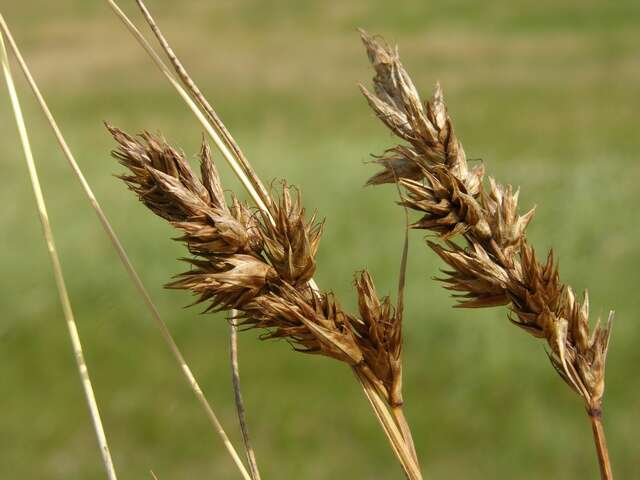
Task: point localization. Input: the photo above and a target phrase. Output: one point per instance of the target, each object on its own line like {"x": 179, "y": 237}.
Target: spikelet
{"x": 291, "y": 242}
{"x": 380, "y": 333}
{"x": 313, "y": 323}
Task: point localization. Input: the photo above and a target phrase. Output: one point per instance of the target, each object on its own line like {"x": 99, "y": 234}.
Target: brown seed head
{"x": 497, "y": 266}
{"x": 261, "y": 264}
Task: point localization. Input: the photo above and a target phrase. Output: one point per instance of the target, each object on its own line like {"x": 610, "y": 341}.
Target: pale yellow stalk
{"x": 237, "y": 393}
{"x": 219, "y": 140}
{"x": 166, "y": 334}
{"x": 215, "y": 136}
{"x": 74, "y": 336}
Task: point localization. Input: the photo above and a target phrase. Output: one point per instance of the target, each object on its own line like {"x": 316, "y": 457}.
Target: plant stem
{"x": 217, "y": 138}
{"x": 124, "y": 258}
{"x": 74, "y": 336}
{"x": 595, "y": 416}
{"x": 191, "y": 86}
{"x": 242, "y": 418}
{"x": 403, "y": 425}
{"x": 395, "y": 437}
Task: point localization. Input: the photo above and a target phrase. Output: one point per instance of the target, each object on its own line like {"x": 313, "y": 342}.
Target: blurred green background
{"x": 545, "y": 92}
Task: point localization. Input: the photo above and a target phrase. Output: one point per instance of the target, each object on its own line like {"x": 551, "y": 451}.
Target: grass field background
{"x": 546, "y": 93}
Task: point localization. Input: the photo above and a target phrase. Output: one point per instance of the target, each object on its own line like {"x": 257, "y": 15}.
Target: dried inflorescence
{"x": 497, "y": 266}
{"x": 261, "y": 263}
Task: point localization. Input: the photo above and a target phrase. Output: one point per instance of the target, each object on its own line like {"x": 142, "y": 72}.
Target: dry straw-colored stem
{"x": 243, "y": 170}
{"x": 209, "y": 128}
{"x": 67, "y": 310}
{"x": 246, "y": 174}
{"x": 237, "y": 393}
{"x": 401, "y": 421}
{"x": 166, "y": 334}
{"x": 249, "y": 178}
{"x": 398, "y": 443}
{"x": 601, "y": 445}
{"x": 213, "y": 117}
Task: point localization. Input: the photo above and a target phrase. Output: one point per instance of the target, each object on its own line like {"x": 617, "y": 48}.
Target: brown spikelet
{"x": 314, "y": 323}
{"x": 380, "y": 336}
{"x": 476, "y": 280}
{"x": 291, "y": 241}
{"x": 160, "y": 176}
{"x": 226, "y": 281}
{"x": 210, "y": 177}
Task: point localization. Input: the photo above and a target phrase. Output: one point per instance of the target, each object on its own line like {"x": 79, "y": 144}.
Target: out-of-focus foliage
{"x": 545, "y": 93}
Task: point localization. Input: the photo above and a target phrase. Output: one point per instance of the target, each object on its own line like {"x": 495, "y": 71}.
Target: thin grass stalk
{"x": 398, "y": 410}
{"x": 601, "y": 445}
{"x": 215, "y": 136}
{"x": 221, "y": 132}
{"x": 249, "y": 180}
{"x": 219, "y": 126}
{"x": 374, "y": 407}
{"x": 401, "y": 421}
{"x": 166, "y": 334}
{"x": 391, "y": 429}
{"x": 67, "y": 310}
{"x": 237, "y": 393}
